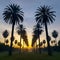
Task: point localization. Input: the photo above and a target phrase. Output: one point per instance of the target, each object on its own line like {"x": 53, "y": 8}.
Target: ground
{"x": 29, "y": 56}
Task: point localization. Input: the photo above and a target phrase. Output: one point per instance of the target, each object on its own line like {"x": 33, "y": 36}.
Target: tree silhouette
{"x": 44, "y": 43}
{"x": 6, "y": 41}
{"x": 19, "y": 44}
{"x": 38, "y": 31}
{"x": 34, "y": 39}
{"x": 24, "y": 37}
{"x": 5, "y": 34}
{"x": 21, "y": 31}
{"x": 15, "y": 42}
{"x": 44, "y": 15}
{"x": 52, "y": 42}
{"x": 12, "y": 15}
{"x": 55, "y": 35}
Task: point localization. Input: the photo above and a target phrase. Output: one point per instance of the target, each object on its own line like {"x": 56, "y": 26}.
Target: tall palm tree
{"x": 45, "y": 16}
{"x": 5, "y": 34}
{"x": 55, "y": 35}
{"x": 38, "y": 31}
{"x": 12, "y": 15}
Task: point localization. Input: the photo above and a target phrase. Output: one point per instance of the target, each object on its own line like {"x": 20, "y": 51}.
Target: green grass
{"x": 29, "y": 56}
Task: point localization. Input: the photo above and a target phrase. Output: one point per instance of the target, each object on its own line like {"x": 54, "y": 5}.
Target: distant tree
{"x": 6, "y": 41}
{"x": 19, "y": 31}
{"x": 19, "y": 44}
{"x": 41, "y": 43}
{"x": 5, "y": 34}
{"x": 22, "y": 32}
{"x": 15, "y": 42}
{"x": 55, "y": 35}
{"x": 24, "y": 37}
{"x": 44, "y": 15}
{"x": 44, "y": 43}
{"x": 38, "y": 31}
{"x": 12, "y": 15}
{"x": 52, "y": 42}
{"x": 34, "y": 39}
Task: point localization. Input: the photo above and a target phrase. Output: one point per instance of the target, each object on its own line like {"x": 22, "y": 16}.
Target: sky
{"x": 29, "y": 7}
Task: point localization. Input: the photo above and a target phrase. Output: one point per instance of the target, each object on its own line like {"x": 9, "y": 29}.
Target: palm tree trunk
{"x": 39, "y": 41}
{"x": 12, "y": 37}
{"x": 20, "y": 43}
{"x": 39, "y": 46}
{"x": 36, "y": 46}
{"x": 49, "y": 49}
{"x": 23, "y": 44}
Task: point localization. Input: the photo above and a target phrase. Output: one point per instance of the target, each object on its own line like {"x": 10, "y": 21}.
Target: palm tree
{"x": 44, "y": 15}
{"x": 38, "y": 31}
{"x": 34, "y": 39}
{"x": 12, "y": 15}
{"x": 5, "y": 34}
{"x": 55, "y": 35}
{"x": 44, "y": 41}
{"x": 20, "y": 29}
{"x": 24, "y": 37}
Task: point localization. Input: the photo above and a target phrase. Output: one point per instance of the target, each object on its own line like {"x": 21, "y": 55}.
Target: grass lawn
{"x": 29, "y": 56}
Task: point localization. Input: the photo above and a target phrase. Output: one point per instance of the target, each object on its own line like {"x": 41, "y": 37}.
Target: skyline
{"x": 29, "y": 7}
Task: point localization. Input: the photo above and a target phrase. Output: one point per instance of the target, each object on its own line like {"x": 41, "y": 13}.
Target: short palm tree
{"x": 5, "y": 34}
{"x": 44, "y": 41}
{"x": 34, "y": 39}
{"x": 22, "y": 32}
{"x": 19, "y": 31}
{"x": 24, "y": 37}
{"x": 55, "y": 35}
{"x": 13, "y": 15}
{"x": 45, "y": 16}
